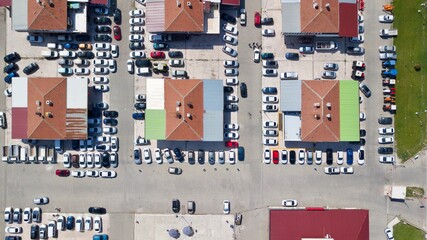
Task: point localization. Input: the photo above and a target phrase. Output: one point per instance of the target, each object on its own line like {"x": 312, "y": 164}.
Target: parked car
{"x": 355, "y": 50}
{"x": 332, "y": 170}
{"x": 365, "y": 90}
{"x": 386, "y": 159}
{"x": 229, "y": 51}
{"x": 331, "y": 66}
{"x": 229, "y": 39}
{"x": 31, "y": 68}
{"x": 306, "y": 49}
{"x": 289, "y": 75}
{"x": 230, "y": 29}
{"x": 329, "y": 75}
{"x": 268, "y": 32}
{"x": 269, "y": 72}
{"x": 289, "y": 203}
{"x": 385, "y": 120}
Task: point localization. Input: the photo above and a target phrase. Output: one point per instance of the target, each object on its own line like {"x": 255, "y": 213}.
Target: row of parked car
{"x": 12, "y": 67}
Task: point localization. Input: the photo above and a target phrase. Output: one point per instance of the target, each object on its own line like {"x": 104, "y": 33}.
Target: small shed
{"x": 396, "y": 192}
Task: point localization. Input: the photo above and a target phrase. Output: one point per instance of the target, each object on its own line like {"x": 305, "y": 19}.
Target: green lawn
{"x": 403, "y": 231}
{"x": 411, "y": 89}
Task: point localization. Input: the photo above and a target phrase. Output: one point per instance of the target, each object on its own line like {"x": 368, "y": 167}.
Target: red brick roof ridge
{"x": 190, "y": 17}
{"x": 52, "y": 16}
{"x": 321, "y": 105}
{"x": 330, "y": 89}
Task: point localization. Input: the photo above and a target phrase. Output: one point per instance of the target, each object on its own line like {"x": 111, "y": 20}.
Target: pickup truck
{"x": 32, "y": 156}
{"x": 388, "y": 32}
{"x": 42, "y": 154}
{"x": 5, "y": 153}
{"x": 326, "y": 45}
{"x": 389, "y": 64}
{"x": 388, "y": 82}
{"x": 160, "y": 67}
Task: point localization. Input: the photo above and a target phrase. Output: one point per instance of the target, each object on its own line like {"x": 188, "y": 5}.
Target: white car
{"x": 114, "y": 51}
{"x": 109, "y": 130}
{"x": 289, "y": 75}
{"x": 130, "y": 66}
{"x": 41, "y": 200}
{"x": 103, "y": 46}
{"x": 385, "y": 140}
{"x": 361, "y": 158}
{"x": 13, "y": 230}
{"x": 79, "y": 224}
{"x": 231, "y": 135}
{"x": 114, "y": 144}
{"x": 136, "y": 13}
{"x": 290, "y": 203}
{"x": 137, "y": 54}
{"x": 8, "y": 215}
{"x": 98, "y": 163}
{"x": 176, "y": 63}
{"x": 158, "y": 155}
{"x": 231, "y": 81}
{"x": 112, "y": 65}
{"x": 268, "y": 32}
{"x": 136, "y": 38}
{"x": 257, "y": 55}
{"x": 103, "y": 54}
{"x": 347, "y": 170}
{"x": 386, "y": 131}
{"x": 318, "y": 157}
{"x": 90, "y": 161}
{"x": 92, "y": 173}
{"x": 67, "y": 54}
{"x": 78, "y": 173}
{"x": 387, "y": 56}
{"x": 100, "y": 63}
{"x": 242, "y": 16}
{"x": 226, "y": 206}
{"x": 270, "y": 141}
{"x": 27, "y": 215}
{"x": 231, "y": 64}
{"x": 107, "y": 174}
{"x": 284, "y": 158}
{"x": 269, "y": 108}
{"x": 232, "y": 157}
{"x": 136, "y": 21}
{"x": 267, "y": 156}
{"x": 60, "y": 223}
{"x": 231, "y": 72}
{"x": 386, "y": 18}
{"x": 269, "y": 72}
{"x": 270, "y": 133}
{"x": 229, "y": 51}
{"x": 97, "y": 224}
{"x": 340, "y": 157}
{"x": 387, "y": 49}
{"x": 136, "y": 29}
{"x": 389, "y": 234}
{"x": 332, "y": 170}
{"x": 100, "y": 80}
{"x": 301, "y": 156}
{"x": 67, "y": 160}
{"x": 232, "y": 98}
{"x": 269, "y": 99}
{"x": 88, "y": 223}
{"x": 82, "y": 160}
{"x": 101, "y": 70}
{"x": 362, "y": 116}
{"x": 82, "y": 71}
{"x": 386, "y": 159}
{"x": 270, "y": 124}
{"x": 147, "y": 155}
{"x": 231, "y": 126}
{"x": 230, "y": 29}
{"x": 229, "y": 39}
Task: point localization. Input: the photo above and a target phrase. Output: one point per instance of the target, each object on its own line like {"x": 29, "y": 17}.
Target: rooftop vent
{"x": 189, "y": 4}
{"x": 178, "y": 103}
{"x": 316, "y": 116}
{"x": 315, "y": 5}
{"x": 178, "y": 3}
{"x": 189, "y": 116}
{"x": 328, "y": 6}
{"x": 178, "y": 115}
{"x": 317, "y": 105}
{"x": 48, "y": 114}
{"x": 39, "y": 114}
{"x": 48, "y": 102}
{"x": 51, "y": 4}
{"x": 38, "y": 1}
{"x": 38, "y": 103}
{"x": 328, "y": 116}
{"x": 190, "y": 105}
{"x": 329, "y": 105}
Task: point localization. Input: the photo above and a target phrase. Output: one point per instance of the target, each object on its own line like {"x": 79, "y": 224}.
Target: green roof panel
{"x": 349, "y": 111}
{"x": 155, "y": 124}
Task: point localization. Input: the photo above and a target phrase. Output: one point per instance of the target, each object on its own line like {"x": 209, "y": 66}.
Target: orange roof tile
{"x": 316, "y": 126}
{"x": 189, "y": 93}
{"x": 46, "y": 16}
{"x": 182, "y": 18}
{"x": 322, "y": 19}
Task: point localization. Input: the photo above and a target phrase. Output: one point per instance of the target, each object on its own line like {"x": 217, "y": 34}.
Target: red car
{"x": 276, "y": 157}
{"x": 62, "y": 172}
{"x": 156, "y": 54}
{"x": 257, "y": 19}
{"x": 117, "y": 33}
{"x": 231, "y": 144}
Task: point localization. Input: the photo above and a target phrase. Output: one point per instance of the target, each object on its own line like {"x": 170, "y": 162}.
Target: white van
{"x": 51, "y": 229}
{"x": 50, "y": 54}
{"x": 59, "y": 146}
{"x": 54, "y": 46}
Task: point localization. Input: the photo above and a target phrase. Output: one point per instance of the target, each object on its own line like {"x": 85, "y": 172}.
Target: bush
{"x": 417, "y": 67}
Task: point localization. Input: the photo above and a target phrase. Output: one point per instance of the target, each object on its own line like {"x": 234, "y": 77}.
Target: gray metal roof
{"x": 213, "y": 105}
{"x": 19, "y": 15}
{"x": 291, "y": 20}
{"x": 155, "y": 15}
{"x": 290, "y": 95}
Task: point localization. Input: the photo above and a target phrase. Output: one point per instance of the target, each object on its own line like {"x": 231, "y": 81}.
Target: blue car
{"x": 349, "y": 156}
{"x": 138, "y": 116}
{"x": 70, "y": 223}
{"x": 71, "y": 46}
{"x": 8, "y": 78}
{"x": 292, "y": 56}
{"x": 100, "y": 237}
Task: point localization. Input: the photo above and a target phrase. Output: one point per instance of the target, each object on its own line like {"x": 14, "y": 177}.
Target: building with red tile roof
{"x": 49, "y": 108}
{"x": 184, "y": 110}
{"x": 319, "y": 223}
{"x": 320, "y": 17}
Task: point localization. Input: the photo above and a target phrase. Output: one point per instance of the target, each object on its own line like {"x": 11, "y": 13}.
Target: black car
{"x": 271, "y": 64}
{"x": 10, "y": 68}
{"x": 178, "y": 155}
{"x": 267, "y": 21}
{"x": 385, "y": 120}
{"x": 292, "y": 56}
{"x": 241, "y": 153}
{"x": 102, "y": 38}
{"x": 329, "y": 157}
{"x": 101, "y": 147}
{"x": 140, "y": 106}
{"x": 34, "y": 233}
{"x": 191, "y": 159}
{"x": 292, "y": 157}
{"x": 97, "y": 210}
{"x": 136, "y": 45}
{"x": 101, "y": 20}
{"x": 117, "y": 16}
{"x": 12, "y": 57}
{"x": 175, "y": 54}
{"x": 82, "y": 37}
{"x": 201, "y": 157}
{"x": 12, "y": 238}
{"x": 70, "y": 223}
{"x": 105, "y": 160}
{"x": 362, "y": 154}
{"x": 228, "y": 89}
{"x": 362, "y": 132}
{"x": 111, "y": 114}
{"x": 142, "y": 63}
{"x": 269, "y": 90}
{"x": 228, "y": 18}
{"x": 175, "y": 205}
{"x": 86, "y": 54}
{"x": 110, "y": 121}
{"x": 32, "y": 67}
{"x": 385, "y": 150}
{"x": 75, "y": 145}
{"x": 243, "y": 90}
{"x": 267, "y": 55}
{"x": 103, "y": 29}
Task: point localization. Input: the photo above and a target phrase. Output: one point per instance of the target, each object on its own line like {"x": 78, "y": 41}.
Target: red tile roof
{"x": 348, "y": 20}
{"x": 46, "y": 16}
{"x": 231, "y": 2}
{"x": 182, "y": 17}
{"x": 19, "y": 123}
{"x": 339, "y": 224}
{"x": 316, "y": 126}
{"x": 320, "y": 19}
{"x": 189, "y": 93}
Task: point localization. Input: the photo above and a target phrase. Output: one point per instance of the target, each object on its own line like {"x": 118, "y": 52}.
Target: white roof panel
{"x": 77, "y": 92}
{"x": 20, "y": 92}
{"x": 155, "y": 93}
{"x": 292, "y": 127}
